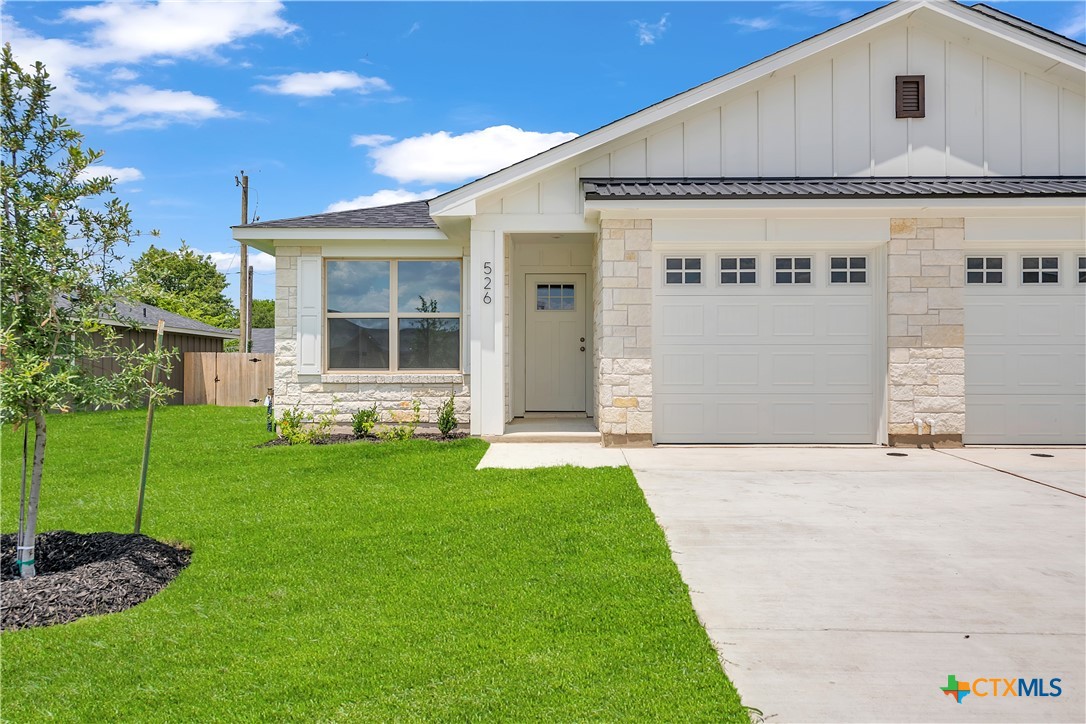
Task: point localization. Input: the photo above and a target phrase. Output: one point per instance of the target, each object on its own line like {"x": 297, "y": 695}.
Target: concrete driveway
{"x": 847, "y": 585}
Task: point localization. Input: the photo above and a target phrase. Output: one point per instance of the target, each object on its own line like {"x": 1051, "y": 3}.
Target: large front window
{"x": 393, "y": 315}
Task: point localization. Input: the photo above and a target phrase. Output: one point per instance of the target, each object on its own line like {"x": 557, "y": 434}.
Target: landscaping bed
{"x": 339, "y": 438}
{"x": 83, "y": 574}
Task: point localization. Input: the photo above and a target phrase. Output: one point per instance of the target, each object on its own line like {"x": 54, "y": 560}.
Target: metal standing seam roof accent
{"x": 600, "y": 189}
{"x": 408, "y": 215}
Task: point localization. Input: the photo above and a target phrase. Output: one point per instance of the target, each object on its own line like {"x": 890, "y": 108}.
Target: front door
{"x": 555, "y": 349}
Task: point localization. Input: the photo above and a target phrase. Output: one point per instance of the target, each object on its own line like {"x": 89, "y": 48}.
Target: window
{"x": 792, "y": 270}
{"x": 738, "y": 270}
{"x": 1040, "y": 270}
{"x": 910, "y": 96}
{"x": 554, "y": 298}
{"x": 393, "y": 315}
{"x": 682, "y": 270}
{"x": 984, "y": 270}
{"x": 848, "y": 270}
{"x": 1082, "y": 270}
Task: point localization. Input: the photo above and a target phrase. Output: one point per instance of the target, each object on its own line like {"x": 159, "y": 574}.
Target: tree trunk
{"x": 31, "y": 530}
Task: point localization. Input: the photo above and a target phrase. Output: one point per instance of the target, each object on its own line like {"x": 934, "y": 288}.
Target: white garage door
{"x": 1025, "y": 348}
{"x": 756, "y": 347}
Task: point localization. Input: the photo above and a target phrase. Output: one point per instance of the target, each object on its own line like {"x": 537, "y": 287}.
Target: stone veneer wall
{"x": 926, "y": 330}
{"x": 393, "y": 394}
{"x": 623, "y": 331}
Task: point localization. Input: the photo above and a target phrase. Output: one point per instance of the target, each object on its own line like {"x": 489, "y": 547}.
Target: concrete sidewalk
{"x": 846, "y": 584}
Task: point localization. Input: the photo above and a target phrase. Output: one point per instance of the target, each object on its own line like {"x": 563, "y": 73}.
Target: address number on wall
{"x": 487, "y": 281}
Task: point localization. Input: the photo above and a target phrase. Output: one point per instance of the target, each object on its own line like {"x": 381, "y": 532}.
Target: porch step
{"x": 542, "y": 436}
{"x": 566, "y": 428}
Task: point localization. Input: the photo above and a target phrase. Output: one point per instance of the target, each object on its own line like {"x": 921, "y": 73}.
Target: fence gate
{"x": 228, "y": 379}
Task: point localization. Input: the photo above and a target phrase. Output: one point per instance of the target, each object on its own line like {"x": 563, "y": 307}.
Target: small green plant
{"x": 405, "y": 431}
{"x": 363, "y": 421}
{"x": 446, "y": 418}
{"x": 299, "y": 427}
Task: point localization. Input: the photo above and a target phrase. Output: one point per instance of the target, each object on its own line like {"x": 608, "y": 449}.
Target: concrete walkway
{"x": 845, "y": 585}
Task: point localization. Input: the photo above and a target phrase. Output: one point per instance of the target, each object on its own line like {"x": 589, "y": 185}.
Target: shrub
{"x": 446, "y": 418}
{"x": 299, "y": 427}
{"x": 407, "y": 430}
{"x": 363, "y": 421}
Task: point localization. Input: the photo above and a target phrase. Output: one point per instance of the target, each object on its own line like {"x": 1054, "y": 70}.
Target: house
{"x": 136, "y": 325}
{"x": 873, "y": 236}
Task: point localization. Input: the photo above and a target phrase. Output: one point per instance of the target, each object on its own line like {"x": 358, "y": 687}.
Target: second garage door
{"x": 757, "y": 347}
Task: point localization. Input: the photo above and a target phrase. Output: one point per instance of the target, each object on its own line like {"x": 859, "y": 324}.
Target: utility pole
{"x": 243, "y": 285}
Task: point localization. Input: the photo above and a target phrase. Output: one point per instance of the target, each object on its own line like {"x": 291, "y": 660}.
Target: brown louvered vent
{"x": 910, "y": 96}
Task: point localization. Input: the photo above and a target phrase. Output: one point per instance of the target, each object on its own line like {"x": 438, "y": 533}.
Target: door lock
{"x": 582, "y": 349}
{"x": 582, "y": 339}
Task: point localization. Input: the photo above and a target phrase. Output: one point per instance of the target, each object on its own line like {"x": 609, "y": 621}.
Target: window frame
{"x": 848, "y": 269}
{"x": 1040, "y": 270}
{"x": 393, "y": 316}
{"x": 738, "y": 271}
{"x": 1080, "y": 267}
{"x": 683, "y": 270}
{"x": 791, "y": 271}
{"x": 985, "y": 270}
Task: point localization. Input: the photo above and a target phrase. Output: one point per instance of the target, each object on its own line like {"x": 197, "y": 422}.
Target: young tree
{"x": 57, "y": 279}
{"x": 263, "y": 313}
{"x": 182, "y": 282}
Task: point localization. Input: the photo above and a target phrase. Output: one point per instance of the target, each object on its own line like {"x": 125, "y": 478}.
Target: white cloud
{"x": 371, "y": 140}
{"x": 415, "y": 27}
{"x": 384, "y": 197}
{"x": 833, "y": 11}
{"x": 122, "y": 175}
{"x": 755, "y": 24}
{"x": 127, "y": 33}
{"x": 647, "y": 33}
{"x": 1074, "y": 25}
{"x": 312, "y": 85}
{"x": 226, "y": 261}
{"x": 444, "y": 158}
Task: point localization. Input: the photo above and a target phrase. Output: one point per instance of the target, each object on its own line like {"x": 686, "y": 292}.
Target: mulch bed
{"x": 344, "y": 437}
{"x": 83, "y": 574}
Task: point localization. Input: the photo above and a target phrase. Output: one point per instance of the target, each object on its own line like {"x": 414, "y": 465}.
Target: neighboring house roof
{"x": 146, "y": 316}
{"x": 833, "y": 188}
{"x": 409, "y": 215}
{"x": 1053, "y": 46}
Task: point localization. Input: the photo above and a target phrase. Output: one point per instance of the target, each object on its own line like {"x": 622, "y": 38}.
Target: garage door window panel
{"x": 792, "y": 269}
{"x": 1040, "y": 270}
{"x": 848, "y": 270}
{"x": 1082, "y": 270}
{"x": 984, "y": 270}
{"x": 682, "y": 270}
{"x": 739, "y": 270}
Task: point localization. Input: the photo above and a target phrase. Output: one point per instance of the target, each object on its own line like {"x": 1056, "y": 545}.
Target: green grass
{"x": 372, "y": 582}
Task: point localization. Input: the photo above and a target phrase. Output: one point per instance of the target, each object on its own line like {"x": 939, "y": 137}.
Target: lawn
{"x": 359, "y": 581}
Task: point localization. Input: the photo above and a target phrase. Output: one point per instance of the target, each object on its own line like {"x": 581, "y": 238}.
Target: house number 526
{"x": 487, "y": 281}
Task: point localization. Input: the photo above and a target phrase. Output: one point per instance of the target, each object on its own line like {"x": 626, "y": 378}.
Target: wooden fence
{"x": 228, "y": 379}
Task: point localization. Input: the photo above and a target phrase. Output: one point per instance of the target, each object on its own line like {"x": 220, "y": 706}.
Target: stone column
{"x": 287, "y": 390}
{"x": 623, "y": 331}
{"x": 926, "y": 331}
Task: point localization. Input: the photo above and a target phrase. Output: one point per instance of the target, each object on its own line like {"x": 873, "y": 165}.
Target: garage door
{"x": 755, "y": 347}
{"x": 1025, "y": 347}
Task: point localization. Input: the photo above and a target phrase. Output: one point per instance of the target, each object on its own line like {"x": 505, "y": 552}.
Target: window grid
{"x": 554, "y": 298}
{"x": 792, "y": 270}
{"x": 1082, "y": 270}
{"x": 682, "y": 270}
{"x": 848, "y": 270}
{"x": 984, "y": 270}
{"x": 393, "y": 316}
{"x": 738, "y": 270}
{"x": 1040, "y": 270}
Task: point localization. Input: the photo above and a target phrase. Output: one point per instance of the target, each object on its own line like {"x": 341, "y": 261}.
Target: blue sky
{"x": 329, "y": 105}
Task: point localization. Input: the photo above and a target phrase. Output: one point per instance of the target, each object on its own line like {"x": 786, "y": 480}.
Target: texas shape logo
{"x": 958, "y": 689}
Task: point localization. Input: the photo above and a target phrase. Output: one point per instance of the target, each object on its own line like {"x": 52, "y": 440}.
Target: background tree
{"x": 57, "y": 279}
{"x": 263, "y": 314}
{"x": 182, "y": 282}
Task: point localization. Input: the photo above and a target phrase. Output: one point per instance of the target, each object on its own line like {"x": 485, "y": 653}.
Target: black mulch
{"x": 344, "y": 437}
{"x": 83, "y": 574}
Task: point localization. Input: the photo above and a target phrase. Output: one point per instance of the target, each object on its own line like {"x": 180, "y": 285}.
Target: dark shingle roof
{"x": 831, "y": 188}
{"x": 263, "y": 340}
{"x": 147, "y": 316}
{"x": 409, "y": 215}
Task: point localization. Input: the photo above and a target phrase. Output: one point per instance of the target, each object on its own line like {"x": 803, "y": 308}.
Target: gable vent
{"x": 910, "y": 96}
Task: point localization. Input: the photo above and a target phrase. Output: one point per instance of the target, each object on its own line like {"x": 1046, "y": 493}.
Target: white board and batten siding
{"x": 990, "y": 111}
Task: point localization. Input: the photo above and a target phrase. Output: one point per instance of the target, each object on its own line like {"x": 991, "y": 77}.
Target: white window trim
{"x": 1039, "y": 284}
{"x": 984, "y": 270}
{"x": 793, "y": 284}
{"x": 684, "y": 258}
{"x": 393, "y": 316}
{"x": 738, "y": 284}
